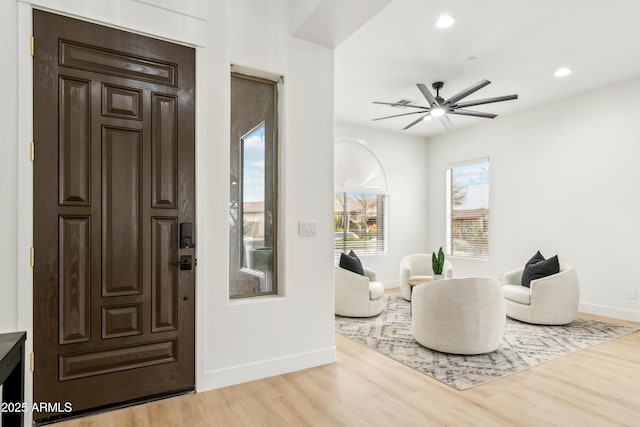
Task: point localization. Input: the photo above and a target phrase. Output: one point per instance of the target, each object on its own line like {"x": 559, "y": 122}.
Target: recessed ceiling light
{"x": 561, "y": 72}
{"x": 445, "y": 21}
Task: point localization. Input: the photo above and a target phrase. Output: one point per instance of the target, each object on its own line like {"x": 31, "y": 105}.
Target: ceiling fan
{"x": 440, "y": 108}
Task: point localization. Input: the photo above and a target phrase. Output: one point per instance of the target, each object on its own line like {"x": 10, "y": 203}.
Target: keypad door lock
{"x": 186, "y": 235}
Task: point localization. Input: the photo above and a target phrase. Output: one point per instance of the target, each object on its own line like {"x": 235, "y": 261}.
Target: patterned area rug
{"x": 523, "y": 345}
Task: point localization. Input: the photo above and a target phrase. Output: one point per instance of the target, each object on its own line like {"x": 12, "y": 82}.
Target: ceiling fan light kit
{"x": 440, "y": 108}
{"x": 437, "y": 112}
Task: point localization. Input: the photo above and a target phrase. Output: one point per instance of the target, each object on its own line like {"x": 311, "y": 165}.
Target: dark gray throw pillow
{"x": 540, "y": 269}
{"x": 536, "y": 258}
{"x": 524, "y": 281}
{"x": 350, "y": 261}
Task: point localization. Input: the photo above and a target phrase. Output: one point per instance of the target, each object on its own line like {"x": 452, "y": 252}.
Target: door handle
{"x": 185, "y": 262}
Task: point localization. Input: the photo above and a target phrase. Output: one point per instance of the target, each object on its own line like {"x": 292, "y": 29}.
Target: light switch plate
{"x": 307, "y": 228}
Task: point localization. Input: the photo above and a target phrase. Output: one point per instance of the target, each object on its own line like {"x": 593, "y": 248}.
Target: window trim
{"x": 276, "y": 82}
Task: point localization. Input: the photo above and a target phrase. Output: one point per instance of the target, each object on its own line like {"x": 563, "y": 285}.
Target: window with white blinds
{"x": 359, "y": 220}
{"x": 468, "y": 209}
{"x": 360, "y": 201}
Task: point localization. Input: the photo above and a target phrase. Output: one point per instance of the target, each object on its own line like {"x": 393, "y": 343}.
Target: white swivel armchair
{"x": 460, "y": 316}
{"x": 357, "y": 295}
{"x": 418, "y": 265}
{"x": 551, "y": 300}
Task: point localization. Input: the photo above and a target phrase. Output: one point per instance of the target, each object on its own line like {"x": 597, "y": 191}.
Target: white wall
{"x": 403, "y": 158}
{"x": 9, "y": 169}
{"x": 563, "y": 179}
{"x": 253, "y": 338}
{"x": 239, "y": 340}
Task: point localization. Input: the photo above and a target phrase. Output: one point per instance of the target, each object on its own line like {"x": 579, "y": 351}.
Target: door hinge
{"x": 32, "y": 151}
{"x": 32, "y": 256}
{"x": 33, "y": 46}
{"x": 32, "y": 361}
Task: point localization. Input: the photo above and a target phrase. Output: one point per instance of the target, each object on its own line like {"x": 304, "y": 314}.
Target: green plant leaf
{"x": 437, "y": 261}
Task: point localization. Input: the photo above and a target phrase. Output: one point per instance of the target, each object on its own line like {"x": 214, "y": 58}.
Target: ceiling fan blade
{"x": 446, "y": 122}
{"x": 395, "y": 104}
{"x": 415, "y": 122}
{"x": 485, "y": 101}
{"x": 466, "y": 92}
{"x": 427, "y": 94}
{"x": 399, "y": 115}
{"x": 473, "y": 113}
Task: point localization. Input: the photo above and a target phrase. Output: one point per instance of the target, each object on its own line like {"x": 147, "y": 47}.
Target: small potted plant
{"x": 437, "y": 263}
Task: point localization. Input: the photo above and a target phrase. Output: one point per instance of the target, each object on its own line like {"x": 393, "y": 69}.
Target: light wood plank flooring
{"x": 599, "y": 386}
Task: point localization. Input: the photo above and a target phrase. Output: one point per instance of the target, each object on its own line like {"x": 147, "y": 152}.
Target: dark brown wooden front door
{"x": 114, "y": 178}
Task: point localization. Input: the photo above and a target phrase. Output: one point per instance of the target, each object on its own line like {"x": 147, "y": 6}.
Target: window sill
{"x": 364, "y": 255}
{"x": 466, "y": 258}
{"x": 254, "y": 299}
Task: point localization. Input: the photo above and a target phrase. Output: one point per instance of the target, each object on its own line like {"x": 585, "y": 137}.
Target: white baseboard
{"x": 263, "y": 369}
{"x": 613, "y": 312}
{"x": 391, "y": 284}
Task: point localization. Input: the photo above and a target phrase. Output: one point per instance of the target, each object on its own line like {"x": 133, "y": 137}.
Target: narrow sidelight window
{"x": 253, "y": 184}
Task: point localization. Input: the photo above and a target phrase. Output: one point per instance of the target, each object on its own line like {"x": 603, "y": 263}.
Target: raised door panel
{"x": 164, "y": 274}
{"x": 121, "y": 187}
{"x": 121, "y": 321}
{"x": 75, "y": 278}
{"x": 91, "y": 363}
{"x": 75, "y": 142}
{"x": 164, "y": 151}
{"x": 121, "y": 102}
{"x": 105, "y": 61}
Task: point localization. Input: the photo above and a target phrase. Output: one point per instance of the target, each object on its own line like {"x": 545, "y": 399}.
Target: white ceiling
{"x": 517, "y": 44}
